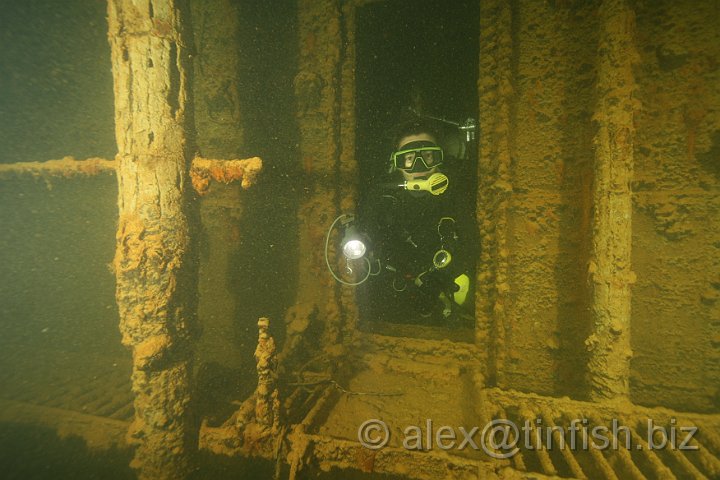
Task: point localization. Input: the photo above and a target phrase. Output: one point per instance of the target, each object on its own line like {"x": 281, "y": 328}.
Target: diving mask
{"x": 417, "y": 156}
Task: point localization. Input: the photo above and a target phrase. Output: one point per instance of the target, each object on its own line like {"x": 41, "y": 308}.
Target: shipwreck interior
{"x": 169, "y": 174}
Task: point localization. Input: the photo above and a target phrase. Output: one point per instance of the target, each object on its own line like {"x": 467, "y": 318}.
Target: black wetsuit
{"x": 406, "y": 229}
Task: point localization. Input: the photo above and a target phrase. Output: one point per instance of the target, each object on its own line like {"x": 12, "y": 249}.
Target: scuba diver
{"x": 417, "y": 222}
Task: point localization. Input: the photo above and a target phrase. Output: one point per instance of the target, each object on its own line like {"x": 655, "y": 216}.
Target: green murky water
{"x": 59, "y": 336}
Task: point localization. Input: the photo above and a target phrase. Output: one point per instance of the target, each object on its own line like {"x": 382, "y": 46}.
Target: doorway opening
{"x": 415, "y": 59}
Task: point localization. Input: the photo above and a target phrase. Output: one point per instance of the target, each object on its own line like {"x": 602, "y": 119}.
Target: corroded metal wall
{"x": 535, "y": 87}
{"x": 348, "y": 166}
{"x": 550, "y": 216}
{"x": 597, "y": 178}
{"x": 318, "y": 95}
{"x": 676, "y": 206}
{"x": 495, "y": 95}
{"x": 216, "y": 90}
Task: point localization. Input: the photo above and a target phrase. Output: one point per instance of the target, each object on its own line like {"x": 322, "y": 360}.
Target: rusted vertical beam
{"x": 267, "y": 403}
{"x": 317, "y": 91}
{"x": 216, "y": 33}
{"x": 495, "y": 92}
{"x": 217, "y": 113}
{"x": 610, "y": 265}
{"x": 152, "y": 259}
{"x": 348, "y": 167}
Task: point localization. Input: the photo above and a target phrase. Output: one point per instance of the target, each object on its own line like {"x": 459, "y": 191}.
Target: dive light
{"x": 353, "y": 246}
{"x": 436, "y": 184}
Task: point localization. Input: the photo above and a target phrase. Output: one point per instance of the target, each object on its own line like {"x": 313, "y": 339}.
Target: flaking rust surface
{"x": 204, "y": 170}
{"x": 675, "y": 302}
{"x": 548, "y": 214}
{"x": 316, "y": 88}
{"x": 154, "y": 290}
{"x": 676, "y": 224}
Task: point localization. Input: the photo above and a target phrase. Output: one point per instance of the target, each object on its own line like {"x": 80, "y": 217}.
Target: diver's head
{"x": 417, "y": 156}
{"x": 416, "y": 153}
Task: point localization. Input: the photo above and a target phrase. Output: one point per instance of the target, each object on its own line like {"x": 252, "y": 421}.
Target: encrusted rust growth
{"x": 254, "y": 429}
{"x": 495, "y": 187}
{"x": 224, "y": 171}
{"x": 348, "y": 166}
{"x": 552, "y": 75}
{"x": 267, "y": 403}
{"x": 549, "y": 311}
{"x": 66, "y": 167}
{"x": 220, "y": 118}
{"x": 216, "y": 83}
{"x": 202, "y": 170}
{"x": 610, "y": 264}
{"x": 153, "y": 255}
{"x": 317, "y": 89}
{"x": 676, "y": 199}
